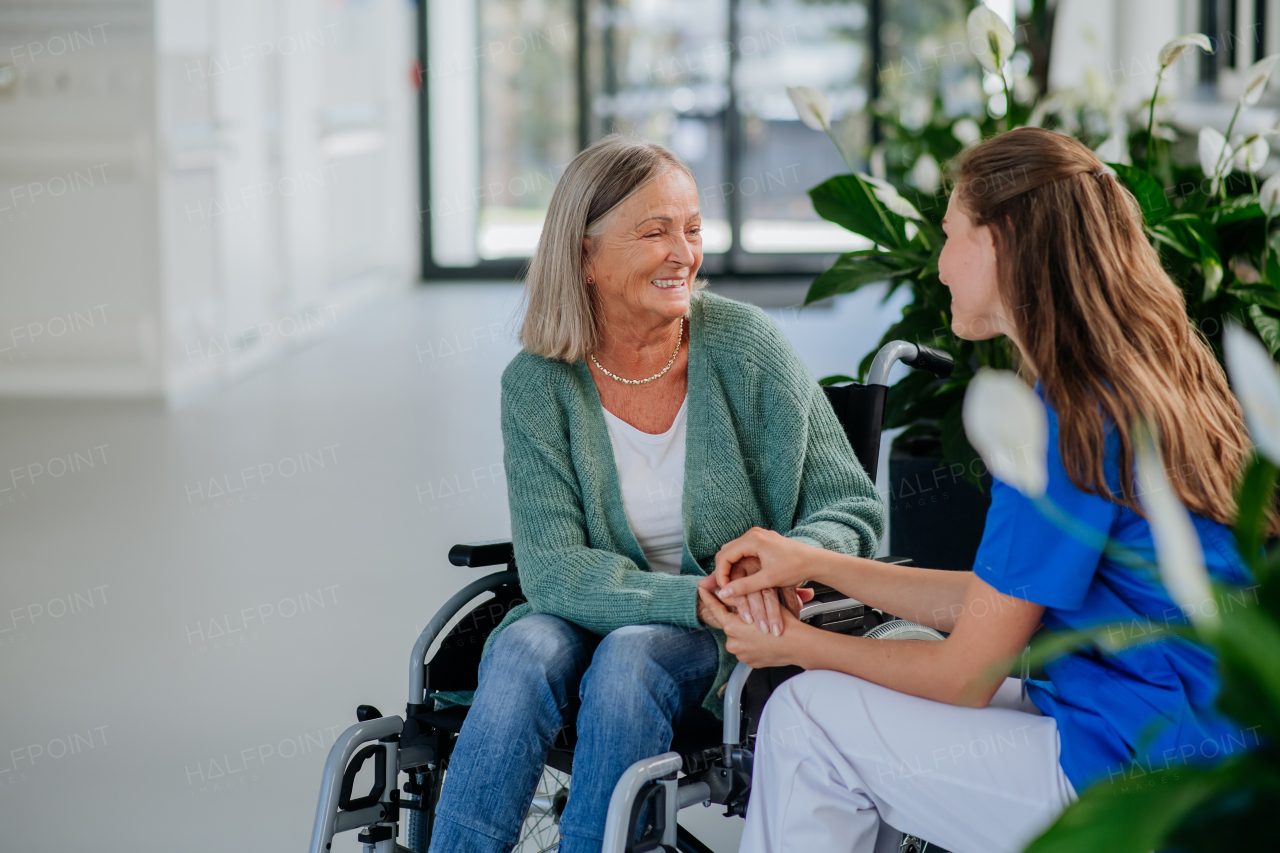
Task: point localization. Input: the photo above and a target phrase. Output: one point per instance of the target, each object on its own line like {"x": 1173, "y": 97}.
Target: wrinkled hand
{"x": 755, "y": 648}
{"x": 783, "y": 564}
{"x": 761, "y": 607}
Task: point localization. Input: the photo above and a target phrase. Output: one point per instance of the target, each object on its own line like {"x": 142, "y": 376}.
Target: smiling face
{"x": 645, "y": 262}
{"x": 967, "y": 266}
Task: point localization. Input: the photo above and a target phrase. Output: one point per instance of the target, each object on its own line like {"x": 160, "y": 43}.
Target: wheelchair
{"x": 703, "y": 766}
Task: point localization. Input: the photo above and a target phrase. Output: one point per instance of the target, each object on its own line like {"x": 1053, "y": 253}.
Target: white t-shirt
{"x": 651, "y": 473}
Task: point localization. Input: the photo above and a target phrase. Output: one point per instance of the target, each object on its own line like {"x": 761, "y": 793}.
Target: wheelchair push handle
{"x": 919, "y": 356}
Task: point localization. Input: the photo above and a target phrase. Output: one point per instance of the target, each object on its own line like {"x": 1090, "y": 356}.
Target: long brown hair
{"x": 1104, "y": 327}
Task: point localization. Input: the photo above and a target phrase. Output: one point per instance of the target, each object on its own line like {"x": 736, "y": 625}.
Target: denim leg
{"x": 641, "y": 679}
{"x": 526, "y": 682}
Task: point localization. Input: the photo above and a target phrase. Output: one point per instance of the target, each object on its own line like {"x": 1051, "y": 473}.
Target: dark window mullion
{"x": 733, "y": 147}
{"x": 584, "y": 93}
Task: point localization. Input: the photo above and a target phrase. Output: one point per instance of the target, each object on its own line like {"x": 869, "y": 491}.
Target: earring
{"x": 590, "y": 281}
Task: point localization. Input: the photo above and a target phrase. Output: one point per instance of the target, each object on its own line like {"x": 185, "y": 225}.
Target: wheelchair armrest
{"x": 733, "y": 711}
{"x": 495, "y": 552}
{"x": 418, "y": 658}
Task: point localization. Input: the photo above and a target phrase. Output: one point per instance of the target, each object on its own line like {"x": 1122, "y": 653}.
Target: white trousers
{"x": 837, "y": 758}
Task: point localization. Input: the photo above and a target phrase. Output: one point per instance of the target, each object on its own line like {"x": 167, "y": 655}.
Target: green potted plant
{"x": 1209, "y": 219}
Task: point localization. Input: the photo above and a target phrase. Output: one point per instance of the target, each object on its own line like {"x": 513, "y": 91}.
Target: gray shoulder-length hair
{"x": 560, "y": 318}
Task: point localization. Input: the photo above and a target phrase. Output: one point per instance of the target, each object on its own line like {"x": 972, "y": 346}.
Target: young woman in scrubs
{"x": 1044, "y": 246}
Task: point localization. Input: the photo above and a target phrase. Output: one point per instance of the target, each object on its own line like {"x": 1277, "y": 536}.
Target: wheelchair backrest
{"x": 860, "y": 409}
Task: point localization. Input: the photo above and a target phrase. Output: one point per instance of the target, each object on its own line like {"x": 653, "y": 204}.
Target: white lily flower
{"x": 812, "y": 105}
{"x": 1269, "y": 196}
{"x": 1215, "y": 155}
{"x": 1172, "y": 52}
{"x": 989, "y": 30}
{"x": 888, "y": 196}
{"x": 1114, "y": 150}
{"x": 966, "y": 131}
{"x": 1255, "y": 79}
{"x": 1178, "y": 547}
{"x": 1253, "y": 154}
{"x": 1006, "y": 423}
{"x": 1257, "y": 386}
{"x": 926, "y": 174}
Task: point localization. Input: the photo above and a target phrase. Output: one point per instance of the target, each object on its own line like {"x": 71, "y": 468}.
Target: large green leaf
{"x": 1146, "y": 189}
{"x": 1267, "y": 327}
{"x": 855, "y": 269}
{"x": 1190, "y": 235}
{"x": 903, "y": 395}
{"x": 848, "y": 201}
{"x": 1133, "y": 814}
{"x": 1252, "y": 503}
{"x": 1173, "y": 238}
{"x": 1256, "y": 294}
{"x": 1238, "y": 209}
{"x": 1246, "y": 644}
{"x": 956, "y": 448}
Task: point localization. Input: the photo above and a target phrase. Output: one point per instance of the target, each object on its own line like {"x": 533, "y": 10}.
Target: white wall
{"x": 1121, "y": 39}
{"x": 190, "y": 187}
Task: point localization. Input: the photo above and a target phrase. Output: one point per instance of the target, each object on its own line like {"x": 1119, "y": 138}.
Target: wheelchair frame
{"x": 719, "y": 773}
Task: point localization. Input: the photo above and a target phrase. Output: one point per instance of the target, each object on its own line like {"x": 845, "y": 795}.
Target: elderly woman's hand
{"x": 772, "y": 562}
{"x": 754, "y": 648}
{"x": 760, "y": 607}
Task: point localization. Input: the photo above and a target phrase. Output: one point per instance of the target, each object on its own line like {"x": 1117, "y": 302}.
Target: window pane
{"x": 789, "y": 43}
{"x": 528, "y": 117}
{"x": 503, "y": 122}
{"x": 660, "y": 69}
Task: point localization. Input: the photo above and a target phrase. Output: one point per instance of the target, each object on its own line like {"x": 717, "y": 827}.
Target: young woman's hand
{"x": 753, "y": 647}
{"x": 761, "y": 607}
{"x": 783, "y": 563}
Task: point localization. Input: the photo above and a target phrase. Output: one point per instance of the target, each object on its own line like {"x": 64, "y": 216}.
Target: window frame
{"x": 726, "y": 266}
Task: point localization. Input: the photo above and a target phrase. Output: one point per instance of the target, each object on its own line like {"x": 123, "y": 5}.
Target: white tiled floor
{"x": 194, "y": 604}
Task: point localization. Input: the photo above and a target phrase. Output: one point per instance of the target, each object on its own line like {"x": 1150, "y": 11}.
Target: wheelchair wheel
{"x": 540, "y": 832}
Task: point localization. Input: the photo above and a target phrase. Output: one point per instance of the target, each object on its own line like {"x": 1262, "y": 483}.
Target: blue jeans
{"x": 634, "y": 684}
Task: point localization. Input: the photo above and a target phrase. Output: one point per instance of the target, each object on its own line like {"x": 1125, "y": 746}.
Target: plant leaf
{"x": 1256, "y": 295}
{"x": 1146, "y": 189}
{"x": 850, "y": 273}
{"x": 1268, "y": 328}
{"x": 1238, "y": 209}
{"x": 850, "y": 202}
{"x": 1166, "y": 236}
{"x": 1252, "y": 503}
{"x": 1123, "y": 816}
{"x": 836, "y": 379}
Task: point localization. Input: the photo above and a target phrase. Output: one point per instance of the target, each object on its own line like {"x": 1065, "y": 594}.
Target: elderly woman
{"x": 645, "y": 425}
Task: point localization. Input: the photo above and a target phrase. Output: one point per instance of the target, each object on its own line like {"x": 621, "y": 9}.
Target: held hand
{"x": 754, "y": 648}
{"x": 761, "y": 607}
{"x": 784, "y": 562}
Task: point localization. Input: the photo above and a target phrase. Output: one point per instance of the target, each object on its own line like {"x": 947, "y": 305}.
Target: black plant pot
{"x": 936, "y": 517}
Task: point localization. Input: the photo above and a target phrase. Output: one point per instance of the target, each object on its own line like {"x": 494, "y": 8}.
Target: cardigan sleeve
{"x": 838, "y": 508}
{"x": 560, "y": 573}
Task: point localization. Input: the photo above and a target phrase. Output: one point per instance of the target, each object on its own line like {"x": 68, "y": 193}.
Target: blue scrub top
{"x": 1149, "y": 707}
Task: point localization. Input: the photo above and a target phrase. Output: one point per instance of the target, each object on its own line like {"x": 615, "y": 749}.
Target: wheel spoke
{"x": 541, "y": 831}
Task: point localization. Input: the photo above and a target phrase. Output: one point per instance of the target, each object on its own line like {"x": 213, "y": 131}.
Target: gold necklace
{"x": 658, "y": 375}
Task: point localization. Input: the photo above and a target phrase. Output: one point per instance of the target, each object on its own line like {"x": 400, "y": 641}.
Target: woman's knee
{"x": 789, "y": 705}
{"x": 648, "y": 663}
{"x": 539, "y": 647}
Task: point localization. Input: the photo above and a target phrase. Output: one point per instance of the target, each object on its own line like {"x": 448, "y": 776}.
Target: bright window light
{"x": 787, "y": 235}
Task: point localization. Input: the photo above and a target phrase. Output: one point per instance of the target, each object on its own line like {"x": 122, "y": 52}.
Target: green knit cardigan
{"x": 763, "y": 448}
